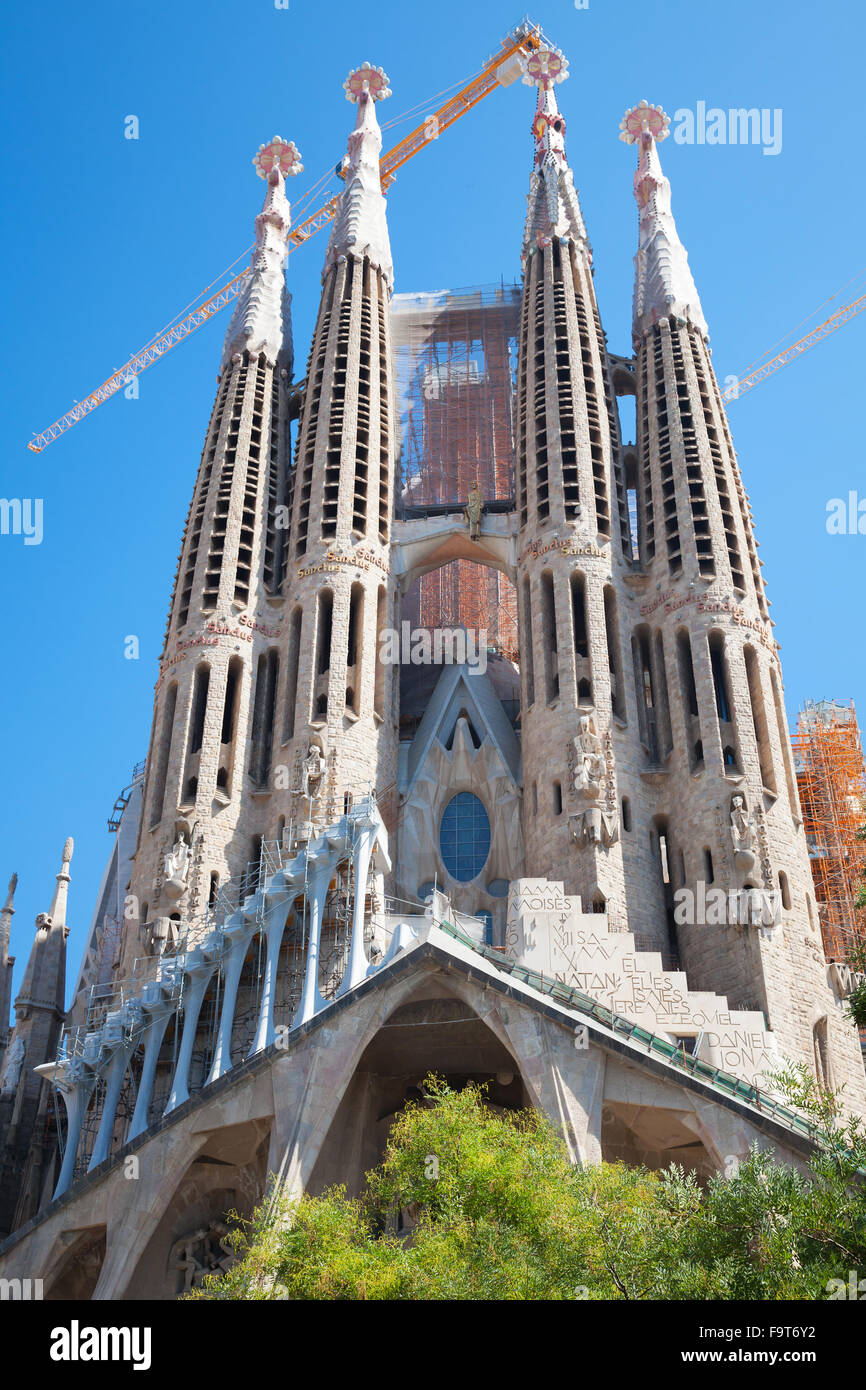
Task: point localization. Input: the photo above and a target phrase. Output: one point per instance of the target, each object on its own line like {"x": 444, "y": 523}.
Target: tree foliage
{"x": 493, "y": 1209}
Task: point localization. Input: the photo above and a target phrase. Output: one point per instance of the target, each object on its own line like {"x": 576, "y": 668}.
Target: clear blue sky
{"x": 106, "y": 239}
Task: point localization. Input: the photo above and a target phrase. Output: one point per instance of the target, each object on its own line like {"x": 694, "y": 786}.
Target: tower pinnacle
{"x": 57, "y": 910}
{"x": 664, "y": 287}
{"x": 10, "y": 896}
{"x": 360, "y": 227}
{"x": 258, "y": 323}
{"x": 553, "y": 210}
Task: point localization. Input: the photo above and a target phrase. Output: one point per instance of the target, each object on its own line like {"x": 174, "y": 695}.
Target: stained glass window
{"x": 464, "y": 836}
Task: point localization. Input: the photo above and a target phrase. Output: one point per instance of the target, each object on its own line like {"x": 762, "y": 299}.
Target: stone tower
{"x": 25, "y": 1102}
{"x": 207, "y": 796}
{"x": 568, "y": 546}
{"x": 713, "y": 736}
{"x": 342, "y": 595}
{"x": 270, "y": 709}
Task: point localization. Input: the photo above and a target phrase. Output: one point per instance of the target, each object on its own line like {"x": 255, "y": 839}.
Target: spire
{"x": 6, "y": 915}
{"x": 57, "y": 910}
{"x": 259, "y": 322}
{"x": 664, "y": 287}
{"x": 360, "y": 227}
{"x": 553, "y": 210}
{"x": 6, "y": 961}
{"x": 44, "y": 983}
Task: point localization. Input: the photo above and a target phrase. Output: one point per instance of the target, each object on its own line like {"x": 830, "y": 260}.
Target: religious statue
{"x": 742, "y": 825}
{"x": 743, "y": 830}
{"x": 163, "y": 935}
{"x": 312, "y": 771}
{"x": 473, "y": 510}
{"x": 183, "y": 1259}
{"x": 12, "y": 1069}
{"x": 589, "y": 760}
{"x": 176, "y": 861}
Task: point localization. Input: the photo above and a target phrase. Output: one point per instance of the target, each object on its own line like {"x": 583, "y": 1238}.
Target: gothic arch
{"x": 432, "y": 1029}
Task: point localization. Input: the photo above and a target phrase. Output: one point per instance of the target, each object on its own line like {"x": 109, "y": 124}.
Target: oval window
{"x": 464, "y": 837}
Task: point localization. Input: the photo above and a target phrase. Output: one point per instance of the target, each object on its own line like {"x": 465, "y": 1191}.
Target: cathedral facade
{"x": 580, "y": 875}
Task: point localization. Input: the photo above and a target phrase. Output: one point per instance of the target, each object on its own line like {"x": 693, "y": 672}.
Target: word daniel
{"x": 846, "y": 518}
{"x": 76, "y": 1343}
{"x": 716, "y": 907}
{"x": 428, "y": 646}
{"x": 734, "y": 127}
{"x": 22, "y": 516}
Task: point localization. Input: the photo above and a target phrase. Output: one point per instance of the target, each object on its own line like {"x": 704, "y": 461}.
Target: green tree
{"x": 492, "y": 1208}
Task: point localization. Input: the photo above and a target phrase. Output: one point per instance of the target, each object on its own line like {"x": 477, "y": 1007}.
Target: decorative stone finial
{"x": 278, "y": 154}
{"x": 644, "y": 119}
{"x": 544, "y": 66}
{"x": 369, "y": 79}
{"x": 360, "y": 227}
{"x": 664, "y": 287}
{"x": 67, "y": 850}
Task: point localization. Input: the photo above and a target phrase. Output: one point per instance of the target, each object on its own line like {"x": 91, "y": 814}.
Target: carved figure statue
{"x": 12, "y": 1069}
{"x": 742, "y": 825}
{"x": 473, "y": 510}
{"x": 589, "y": 760}
{"x": 182, "y": 1258}
{"x": 163, "y": 935}
{"x": 312, "y": 771}
{"x": 176, "y": 861}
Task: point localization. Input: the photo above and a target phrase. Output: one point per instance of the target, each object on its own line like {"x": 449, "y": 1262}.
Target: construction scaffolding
{"x": 832, "y": 784}
{"x": 456, "y": 363}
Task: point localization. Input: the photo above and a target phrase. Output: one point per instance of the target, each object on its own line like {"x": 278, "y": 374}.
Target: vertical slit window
{"x": 614, "y": 654}
{"x": 526, "y": 650}
{"x": 759, "y": 718}
{"x": 163, "y": 754}
{"x": 292, "y": 661}
{"x": 689, "y": 695}
{"x": 354, "y": 646}
{"x": 381, "y": 621}
{"x": 267, "y": 671}
{"x": 324, "y": 627}
{"x": 548, "y": 637}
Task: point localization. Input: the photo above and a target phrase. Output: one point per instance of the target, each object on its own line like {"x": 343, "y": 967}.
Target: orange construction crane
{"x": 843, "y": 315}
{"x": 499, "y": 70}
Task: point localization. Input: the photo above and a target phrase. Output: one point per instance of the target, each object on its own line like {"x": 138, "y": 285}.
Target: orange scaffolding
{"x": 456, "y": 359}
{"x": 832, "y": 784}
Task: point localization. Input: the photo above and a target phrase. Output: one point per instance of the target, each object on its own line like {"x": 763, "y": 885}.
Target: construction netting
{"x": 456, "y": 363}
{"x": 830, "y": 776}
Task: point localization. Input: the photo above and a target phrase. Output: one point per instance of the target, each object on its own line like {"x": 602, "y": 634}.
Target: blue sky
{"x": 106, "y": 239}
